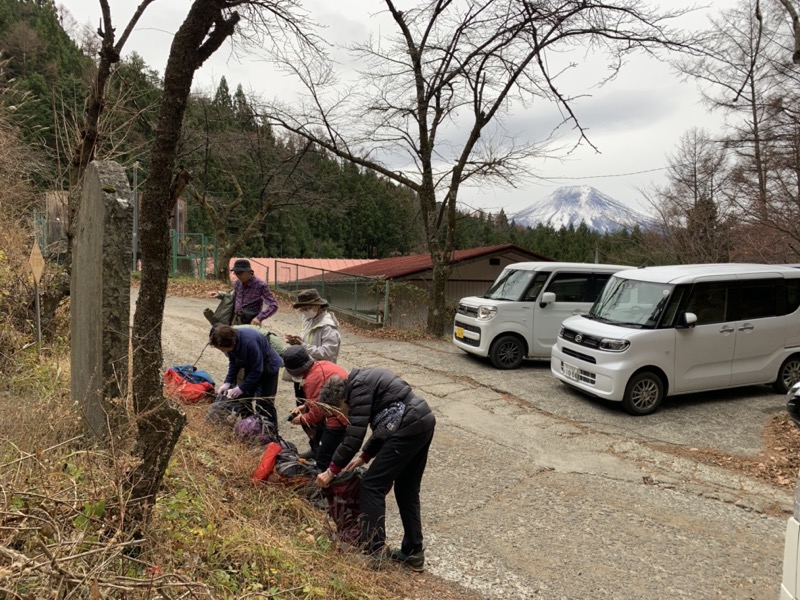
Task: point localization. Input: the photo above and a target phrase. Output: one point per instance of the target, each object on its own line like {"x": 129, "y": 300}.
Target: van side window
{"x": 758, "y": 298}
{"x": 535, "y": 286}
{"x": 671, "y": 311}
{"x": 709, "y": 302}
{"x": 792, "y": 295}
{"x": 570, "y": 287}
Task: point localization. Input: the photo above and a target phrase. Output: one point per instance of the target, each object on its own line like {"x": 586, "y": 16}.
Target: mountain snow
{"x": 572, "y": 205}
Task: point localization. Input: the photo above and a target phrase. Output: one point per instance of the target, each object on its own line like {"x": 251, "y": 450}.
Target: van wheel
{"x": 506, "y": 352}
{"x": 643, "y": 394}
{"x": 788, "y": 374}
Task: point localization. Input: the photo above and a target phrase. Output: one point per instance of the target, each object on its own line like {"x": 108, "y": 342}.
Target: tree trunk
{"x": 159, "y": 421}
{"x": 223, "y": 267}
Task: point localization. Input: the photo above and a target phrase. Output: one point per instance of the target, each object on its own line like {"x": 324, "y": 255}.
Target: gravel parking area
{"x": 534, "y": 491}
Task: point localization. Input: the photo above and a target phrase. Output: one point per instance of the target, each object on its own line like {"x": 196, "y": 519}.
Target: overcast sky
{"x": 634, "y": 121}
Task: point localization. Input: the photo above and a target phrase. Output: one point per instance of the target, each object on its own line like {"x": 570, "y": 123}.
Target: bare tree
{"x": 110, "y": 52}
{"x": 738, "y": 79}
{"x": 430, "y": 108}
{"x": 208, "y": 24}
{"x": 241, "y": 154}
{"x": 747, "y": 76}
{"x": 791, "y": 11}
{"x": 694, "y": 206}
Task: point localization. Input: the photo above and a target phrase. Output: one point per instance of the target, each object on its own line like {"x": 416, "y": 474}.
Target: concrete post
{"x": 100, "y": 297}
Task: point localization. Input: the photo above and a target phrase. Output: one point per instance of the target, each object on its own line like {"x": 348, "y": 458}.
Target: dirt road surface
{"x": 533, "y": 491}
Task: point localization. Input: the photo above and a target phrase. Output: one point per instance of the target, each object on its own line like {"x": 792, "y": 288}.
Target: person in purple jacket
{"x": 248, "y": 350}
{"x": 253, "y": 300}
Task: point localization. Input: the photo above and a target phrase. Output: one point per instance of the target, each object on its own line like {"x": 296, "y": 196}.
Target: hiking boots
{"x": 415, "y": 562}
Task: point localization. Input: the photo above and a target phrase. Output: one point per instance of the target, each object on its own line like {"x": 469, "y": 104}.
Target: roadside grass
{"x": 213, "y": 533}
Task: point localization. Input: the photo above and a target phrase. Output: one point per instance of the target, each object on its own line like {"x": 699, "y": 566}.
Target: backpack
{"x": 254, "y": 430}
{"x": 193, "y": 374}
{"x": 266, "y": 467}
{"x": 224, "y": 312}
{"x": 191, "y": 388}
{"x": 344, "y": 496}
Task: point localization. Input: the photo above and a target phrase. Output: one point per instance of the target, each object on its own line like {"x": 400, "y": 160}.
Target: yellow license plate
{"x": 459, "y": 332}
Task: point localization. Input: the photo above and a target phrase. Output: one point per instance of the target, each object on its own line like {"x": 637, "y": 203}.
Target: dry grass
{"x": 213, "y": 533}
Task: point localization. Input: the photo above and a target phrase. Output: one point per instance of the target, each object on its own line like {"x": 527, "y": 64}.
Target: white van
{"x": 521, "y": 313}
{"x": 661, "y": 331}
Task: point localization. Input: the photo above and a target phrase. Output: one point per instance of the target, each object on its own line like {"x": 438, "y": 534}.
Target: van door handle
{"x": 747, "y": 327}
{"x": 727, "y": 330}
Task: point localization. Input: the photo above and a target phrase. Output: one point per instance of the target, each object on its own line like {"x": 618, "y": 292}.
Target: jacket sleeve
{"x": 237, "y": 297}
{"x": 359, "y": 396}
{"x": 269, "y": 300}
{"x": 328, "y": 348}
{"x": 311, "y": 388}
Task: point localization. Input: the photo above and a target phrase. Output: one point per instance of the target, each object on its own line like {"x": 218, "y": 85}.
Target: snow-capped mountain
{"x": 572, "y": 205}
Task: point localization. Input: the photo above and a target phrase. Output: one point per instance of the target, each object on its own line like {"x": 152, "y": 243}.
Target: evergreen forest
{"x": 257, "y": 192}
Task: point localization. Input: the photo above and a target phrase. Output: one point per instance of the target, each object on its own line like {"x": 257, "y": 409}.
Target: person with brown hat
{"x": 250, "y": 295}
{"x": 320, "y": 338}
{"x": 319, "y": 333}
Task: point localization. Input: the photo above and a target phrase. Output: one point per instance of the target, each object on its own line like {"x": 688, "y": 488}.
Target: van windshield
{"x": 631, "y": 303}
{"x": 513, "y": 283}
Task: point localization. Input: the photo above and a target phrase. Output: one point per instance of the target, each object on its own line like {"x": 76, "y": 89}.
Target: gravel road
{"x": 533, "y": 491}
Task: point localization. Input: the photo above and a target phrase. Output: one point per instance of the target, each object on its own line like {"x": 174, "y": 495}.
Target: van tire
{"x": 788, "y": 374}
{"x": 507, "y": 352}
{"x": 643, "y": 394}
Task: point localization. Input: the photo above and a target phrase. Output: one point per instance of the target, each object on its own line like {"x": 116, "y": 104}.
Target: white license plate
{"x": 570, "y": 371}
{"x": 460, "y": 332}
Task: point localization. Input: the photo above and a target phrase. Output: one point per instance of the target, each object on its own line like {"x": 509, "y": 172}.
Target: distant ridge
{"x": 571, "y": 205}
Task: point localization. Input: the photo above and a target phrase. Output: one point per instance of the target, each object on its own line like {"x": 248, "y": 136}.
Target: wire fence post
{"x": 386, "y": 302}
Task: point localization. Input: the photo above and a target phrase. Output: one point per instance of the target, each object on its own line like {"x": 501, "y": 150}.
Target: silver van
{"x": 521, "y": 313}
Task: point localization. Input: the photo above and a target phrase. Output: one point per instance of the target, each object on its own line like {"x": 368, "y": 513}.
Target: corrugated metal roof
{"x": 402, "y": 266}
{"x": 289, "y": 269}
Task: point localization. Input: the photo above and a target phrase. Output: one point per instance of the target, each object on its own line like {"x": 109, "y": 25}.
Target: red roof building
{"x": 473, "y": 272}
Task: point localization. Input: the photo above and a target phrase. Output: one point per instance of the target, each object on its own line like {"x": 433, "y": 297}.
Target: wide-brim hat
{"x": 296, "y": 360}
{"x": 309, "y": 298}
{"x": 242, "y": 265}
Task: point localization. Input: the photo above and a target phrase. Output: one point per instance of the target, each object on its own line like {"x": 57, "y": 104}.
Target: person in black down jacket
{"x": 402, "y": 426}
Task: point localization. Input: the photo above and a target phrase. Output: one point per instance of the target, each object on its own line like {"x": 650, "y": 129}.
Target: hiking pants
{"x": 329, "y": 442}
{"x": 401, "y": 461}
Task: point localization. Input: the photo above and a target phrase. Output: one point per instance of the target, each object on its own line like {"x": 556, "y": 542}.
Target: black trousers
{"x": 400, "y": 462}
{"x": 330, "y": 440}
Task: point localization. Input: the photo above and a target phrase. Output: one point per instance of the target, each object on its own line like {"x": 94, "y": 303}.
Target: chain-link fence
{"x": 374, "y": 300}
{"x": 362, "y": 297}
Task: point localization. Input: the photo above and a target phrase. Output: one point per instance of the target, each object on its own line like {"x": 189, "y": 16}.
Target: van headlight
{"x": 486, "y": 313}
{"x": 612, "y": 345}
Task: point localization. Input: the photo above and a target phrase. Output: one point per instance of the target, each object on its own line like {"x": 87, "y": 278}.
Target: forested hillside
{"x": 261, "y": 192}
{"x": 257, "y": 192}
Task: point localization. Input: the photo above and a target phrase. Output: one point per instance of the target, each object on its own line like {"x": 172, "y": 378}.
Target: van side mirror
{"x": 688, "y": 319}
{"x": 547, "y": 298}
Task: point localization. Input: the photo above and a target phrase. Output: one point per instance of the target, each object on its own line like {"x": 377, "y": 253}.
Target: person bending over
{"x": 402, "y": 426}
{"x": 249, "y": 351}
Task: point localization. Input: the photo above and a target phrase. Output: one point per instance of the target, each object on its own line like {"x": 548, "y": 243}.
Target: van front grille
{"x": 468, "y": 311}
{"x": 580, "y": 338}
{"x": 579, "y": 355}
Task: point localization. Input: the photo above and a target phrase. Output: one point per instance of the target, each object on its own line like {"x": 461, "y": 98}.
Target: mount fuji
{"x": 572, "y": 205}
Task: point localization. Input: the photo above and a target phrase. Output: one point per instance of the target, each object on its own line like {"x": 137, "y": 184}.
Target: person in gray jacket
{"x": 402, "y": 425}
{"x": 320, "y": 330}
